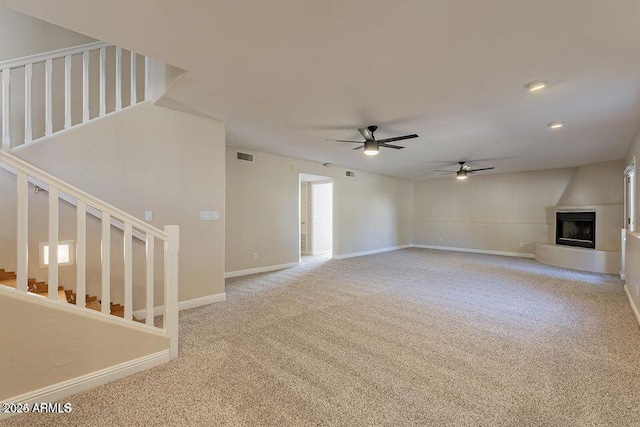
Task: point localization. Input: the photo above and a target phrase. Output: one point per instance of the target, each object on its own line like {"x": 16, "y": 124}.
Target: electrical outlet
{"x": 439, "y": 239}
{"x": 255, "y": 255}
{"x": 521, "y": 244}
{"x": 377, "y": 242}
{"x": 148, "y": 216}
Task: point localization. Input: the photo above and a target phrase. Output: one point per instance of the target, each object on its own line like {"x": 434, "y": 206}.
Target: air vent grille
{"x": 351, "y": 174}
{"x": 244, "y": 156}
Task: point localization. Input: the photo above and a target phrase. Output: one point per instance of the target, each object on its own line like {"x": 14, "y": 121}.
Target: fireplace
{"x": 576, "y": 229}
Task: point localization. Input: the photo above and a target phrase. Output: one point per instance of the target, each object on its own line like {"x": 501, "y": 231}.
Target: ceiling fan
{"x": 372, "y": 145}
{"x": 463, "y": 171}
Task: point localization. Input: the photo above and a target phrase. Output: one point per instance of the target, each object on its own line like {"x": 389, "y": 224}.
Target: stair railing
{"x": 26, "y": 64}
{"x": 169, "y": 237}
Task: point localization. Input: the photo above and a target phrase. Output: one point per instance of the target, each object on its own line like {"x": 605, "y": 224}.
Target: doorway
{"x": 316, "y": 216}
{"x": 629, "y": 209}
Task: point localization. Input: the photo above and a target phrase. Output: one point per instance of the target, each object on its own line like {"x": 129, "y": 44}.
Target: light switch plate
{"x": 209, "y": 215}
{"x": 148, "y": 216}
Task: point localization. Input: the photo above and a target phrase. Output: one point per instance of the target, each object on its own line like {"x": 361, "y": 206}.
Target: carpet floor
{"x": 411, "y": 337}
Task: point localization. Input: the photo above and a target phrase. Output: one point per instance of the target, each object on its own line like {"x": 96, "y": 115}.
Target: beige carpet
{"x": 412, "y": 337}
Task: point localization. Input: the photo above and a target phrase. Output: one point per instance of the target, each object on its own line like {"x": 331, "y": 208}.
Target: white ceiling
{"x": 287, "y": 74}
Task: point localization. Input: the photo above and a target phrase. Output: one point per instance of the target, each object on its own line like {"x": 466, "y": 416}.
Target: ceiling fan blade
{"x": 344, "y": 140}
{"x": 478, "y": 170}
{"x": 358, "y": 148}
{"x": 366, "y": 134}
{"x": 445, "y": 171}
{"x": 397, "y": 147}
{"x": 398, "y": 138}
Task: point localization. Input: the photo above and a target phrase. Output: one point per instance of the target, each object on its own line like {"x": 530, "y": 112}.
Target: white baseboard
{"x": 197, "y": 302}
{"x": 633, "y": 304}
{"x": 266, "y": 269}
{"x": 371, "y": 252}
{"x": 63, "y": 389}
{"x": 183, "y": 305}
{"x": 475, "y": 251}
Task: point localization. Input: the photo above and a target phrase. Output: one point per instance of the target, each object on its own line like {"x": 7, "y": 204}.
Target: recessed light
{"x": 555, "y": 125}
{"x": 536, "y": 85}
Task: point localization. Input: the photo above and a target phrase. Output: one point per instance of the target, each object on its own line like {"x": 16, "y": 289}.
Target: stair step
{"x": 94, "y": 305}
{"x": 12, "y": 283}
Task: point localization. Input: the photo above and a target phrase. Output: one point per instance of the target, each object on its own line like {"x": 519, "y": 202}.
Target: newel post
{"x": 171, "y": 249}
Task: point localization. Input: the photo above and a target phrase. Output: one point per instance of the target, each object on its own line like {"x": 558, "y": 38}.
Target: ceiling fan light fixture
{"x": 461, "y": 174}
{"x": 555, "y": 125}
{"x": 536, "y": 85}
{"x": 371, "y": 148}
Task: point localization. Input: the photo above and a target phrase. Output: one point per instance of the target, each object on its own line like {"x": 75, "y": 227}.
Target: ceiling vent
{"x": 351, "y": 174}
{"x": 244, "y": 157}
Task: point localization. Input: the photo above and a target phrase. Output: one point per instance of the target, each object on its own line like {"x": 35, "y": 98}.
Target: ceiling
{"x": 286, "y": 75}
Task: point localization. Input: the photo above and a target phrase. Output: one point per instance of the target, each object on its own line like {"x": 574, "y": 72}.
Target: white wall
{"x": 498, "y": 212}
{"x": 143, "y": 158}
{"x": 24, "y": 35}
{"x": 374, "y": 211}
{"x": 43, "y": 345}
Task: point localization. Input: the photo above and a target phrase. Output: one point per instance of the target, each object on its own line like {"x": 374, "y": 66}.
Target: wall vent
{"x": 244, "y": 156}
{"x": 351, "y": 174}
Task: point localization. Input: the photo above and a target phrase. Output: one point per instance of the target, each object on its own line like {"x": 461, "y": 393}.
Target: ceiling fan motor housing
{"x": 371, "y": 145}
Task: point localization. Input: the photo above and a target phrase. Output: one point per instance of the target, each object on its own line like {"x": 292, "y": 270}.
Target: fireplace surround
{"x": 576, "y": 229}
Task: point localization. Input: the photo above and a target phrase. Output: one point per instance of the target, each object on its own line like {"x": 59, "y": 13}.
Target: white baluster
{"x": 149, "y": 270}
{"x": 28, "y": 75}
{"x": 67, "y": 91}
{"x": 103, "y": 81}
{"x": 106, "y": 263}
{"x": 134, "y": 94}
{"x": 85, "y": 87}
{"x": 47, "y": 97}
{"x": 6, "y": 132}
{"x": 170, "y": 319}
{"x": 81, "y": 253}
{"x": 22, "y": 233}
{"x": 53, "y": 243}
{"x": 147, "y": 71}
{"x": 118, "y": 78}
{"x": 128, "y": 271}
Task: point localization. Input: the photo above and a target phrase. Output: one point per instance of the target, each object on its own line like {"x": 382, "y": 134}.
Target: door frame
{"x": 629, "y": 221}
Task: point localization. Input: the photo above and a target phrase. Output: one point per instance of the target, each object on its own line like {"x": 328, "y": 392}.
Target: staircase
{"x": 54, "y": 291}
{"x": 63, "y": 210}
{"x": 9, "y": 278}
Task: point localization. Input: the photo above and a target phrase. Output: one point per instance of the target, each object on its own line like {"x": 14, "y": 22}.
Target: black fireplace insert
{"x": 576, "y": 229}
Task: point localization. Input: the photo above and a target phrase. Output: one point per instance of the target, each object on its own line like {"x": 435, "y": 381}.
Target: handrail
{"x": 24, "y": 167}
{"x": 53, "y": 54}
